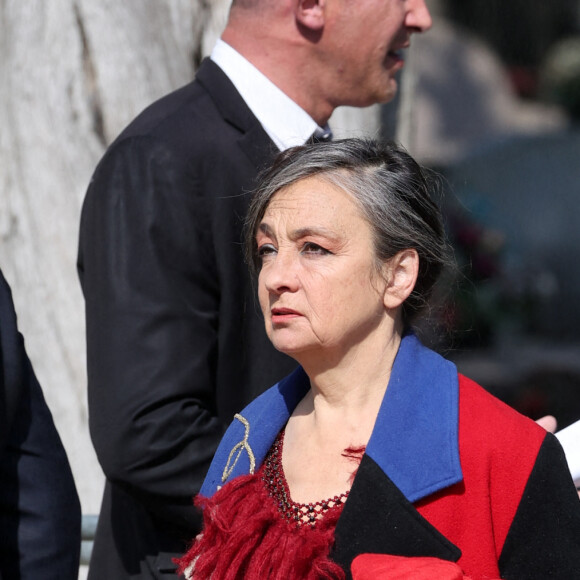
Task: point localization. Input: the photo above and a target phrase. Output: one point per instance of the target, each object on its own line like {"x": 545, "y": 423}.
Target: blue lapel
{"x": 415, "y": 439}
{"x": 249, "y": 437}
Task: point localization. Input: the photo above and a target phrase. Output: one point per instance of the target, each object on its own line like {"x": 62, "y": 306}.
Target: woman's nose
{"x": 280, "y": 274}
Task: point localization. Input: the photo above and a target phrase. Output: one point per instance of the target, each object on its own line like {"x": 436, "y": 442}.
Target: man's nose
{"x": 418, "y": 16}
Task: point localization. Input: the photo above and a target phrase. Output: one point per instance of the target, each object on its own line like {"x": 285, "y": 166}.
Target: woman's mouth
{"x": 283, "y": 314}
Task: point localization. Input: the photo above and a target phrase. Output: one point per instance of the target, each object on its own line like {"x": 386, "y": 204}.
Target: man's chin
{"x": 389, "y": 91}
{"x": 384, "y": 94}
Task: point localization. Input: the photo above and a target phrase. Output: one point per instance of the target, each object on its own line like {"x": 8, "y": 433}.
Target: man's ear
{"x": 310, "y": 14}
{"x": 401, "y": 273}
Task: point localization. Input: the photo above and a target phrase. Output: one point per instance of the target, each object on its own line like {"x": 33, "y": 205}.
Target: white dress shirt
{"x": 286, "y": 123}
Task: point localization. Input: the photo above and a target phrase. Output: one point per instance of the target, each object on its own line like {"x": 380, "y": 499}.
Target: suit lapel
{"x": 253, "y": 141}
{"x": 377, "y": 518}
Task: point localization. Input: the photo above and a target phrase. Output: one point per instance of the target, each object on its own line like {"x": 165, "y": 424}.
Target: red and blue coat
{"x": 449, "y": 472}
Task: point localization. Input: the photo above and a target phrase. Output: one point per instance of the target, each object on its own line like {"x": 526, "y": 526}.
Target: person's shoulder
{"x": 186, "y": 115}
{"x": 177, "y": 117}
{"x": 181, "y": 128}
{"x": 485, "y": 409}
{"x": 490, "y": 423}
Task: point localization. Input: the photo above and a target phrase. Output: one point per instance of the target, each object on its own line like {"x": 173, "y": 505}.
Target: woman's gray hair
{"x": 393, "y": 192}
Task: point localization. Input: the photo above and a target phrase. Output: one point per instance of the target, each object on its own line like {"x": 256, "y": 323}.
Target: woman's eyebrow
{"x": 314, "y": 231}
{"x": 302, "y": 232}
{"x": 265, "y": 229}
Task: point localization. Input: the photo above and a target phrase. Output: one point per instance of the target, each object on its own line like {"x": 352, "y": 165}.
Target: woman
{"x": 374, "y": 450}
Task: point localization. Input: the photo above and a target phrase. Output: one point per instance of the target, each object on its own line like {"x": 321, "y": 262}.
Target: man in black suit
{"x": 175, "y": 342}
{"x": 40, "y": 514}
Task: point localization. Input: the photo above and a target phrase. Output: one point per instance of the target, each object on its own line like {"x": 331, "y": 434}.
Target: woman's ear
{"x": 401, "y": 273}
{"x": 310, "y": 14}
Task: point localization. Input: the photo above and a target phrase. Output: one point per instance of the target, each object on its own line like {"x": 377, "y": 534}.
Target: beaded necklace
{"x": 293, "y": 512}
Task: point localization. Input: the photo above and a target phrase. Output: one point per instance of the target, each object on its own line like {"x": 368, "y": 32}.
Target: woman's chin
{"x": 288, "y": 349}
{"x": 292, "y": 348}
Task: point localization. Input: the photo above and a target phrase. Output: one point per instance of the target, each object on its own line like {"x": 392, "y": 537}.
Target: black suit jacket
{"x": 175, "y": 340}
{"x": 40, "y": 515}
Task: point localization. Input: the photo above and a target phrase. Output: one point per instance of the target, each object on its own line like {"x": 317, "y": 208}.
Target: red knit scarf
{"x": 245, "y": 536}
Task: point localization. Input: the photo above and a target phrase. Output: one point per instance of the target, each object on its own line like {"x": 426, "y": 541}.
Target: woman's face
{"x": 319, "y": 287}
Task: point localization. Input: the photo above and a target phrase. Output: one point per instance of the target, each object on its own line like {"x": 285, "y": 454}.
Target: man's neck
{"x": 281, "y": 62}
{"x": 286, "y": 123}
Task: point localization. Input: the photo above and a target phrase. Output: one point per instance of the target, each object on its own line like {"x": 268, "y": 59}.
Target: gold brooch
{"x": 236, "y": 452}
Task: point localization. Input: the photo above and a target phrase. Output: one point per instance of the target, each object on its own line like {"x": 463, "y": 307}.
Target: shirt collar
{"x": 285, "y": 122}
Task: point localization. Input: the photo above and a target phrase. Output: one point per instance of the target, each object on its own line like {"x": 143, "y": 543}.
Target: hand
{"x": 548, "y": 422}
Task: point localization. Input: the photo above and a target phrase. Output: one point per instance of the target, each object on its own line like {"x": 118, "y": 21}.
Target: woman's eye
{"x": 266, "y": 250}
{"x": 312, "y": 248}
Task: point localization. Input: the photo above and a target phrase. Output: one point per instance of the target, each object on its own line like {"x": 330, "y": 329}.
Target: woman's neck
{"x": 349, "y": 391}
{"x": 338, "y": 414}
